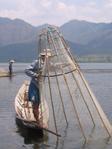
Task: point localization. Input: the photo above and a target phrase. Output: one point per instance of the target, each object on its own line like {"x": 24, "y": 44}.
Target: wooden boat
{"x": 24, "y": 110}
{"x": 4, "y": 73}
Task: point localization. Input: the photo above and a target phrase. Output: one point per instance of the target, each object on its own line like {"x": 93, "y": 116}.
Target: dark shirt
{"x": 10, "y": 68}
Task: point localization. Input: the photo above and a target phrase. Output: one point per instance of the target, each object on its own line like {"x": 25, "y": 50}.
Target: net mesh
{"x": 70, "y": 99}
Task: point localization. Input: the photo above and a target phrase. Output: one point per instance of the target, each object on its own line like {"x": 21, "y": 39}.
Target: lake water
{"x": 12, "y": 137}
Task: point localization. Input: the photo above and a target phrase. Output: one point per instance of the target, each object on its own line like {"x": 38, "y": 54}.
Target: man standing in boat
{"x": 34, "y": 71}
{"x": 10, "y": 67}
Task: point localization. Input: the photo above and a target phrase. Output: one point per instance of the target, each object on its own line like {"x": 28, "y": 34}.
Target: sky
{"x": 57, "y": 12}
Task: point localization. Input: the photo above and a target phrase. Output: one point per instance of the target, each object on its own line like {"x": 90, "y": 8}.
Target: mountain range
{"x": 19, "y": 39}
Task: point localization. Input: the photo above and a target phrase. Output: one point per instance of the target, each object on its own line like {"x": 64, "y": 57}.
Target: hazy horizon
{"x": 36, "y": 25}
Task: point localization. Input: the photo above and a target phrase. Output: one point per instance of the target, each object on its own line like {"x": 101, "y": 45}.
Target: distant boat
{"x": 24, "y": 110}
{"x": 4, "y": 74}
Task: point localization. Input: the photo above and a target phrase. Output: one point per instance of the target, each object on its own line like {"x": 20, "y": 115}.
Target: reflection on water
{"x": 30, "y": 135}
{"x": 13, "y": 136}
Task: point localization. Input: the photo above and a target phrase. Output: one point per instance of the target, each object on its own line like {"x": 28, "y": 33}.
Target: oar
{"x": 50, "y": 131}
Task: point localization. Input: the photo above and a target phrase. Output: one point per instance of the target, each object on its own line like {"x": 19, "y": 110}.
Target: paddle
{"x": 50, "y": 131}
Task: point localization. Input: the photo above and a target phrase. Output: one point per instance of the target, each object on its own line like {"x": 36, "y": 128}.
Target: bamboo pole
{"x": 51, "y": 94}
{"x": 40, "y": 80}
{"x": 109, "y": 133}
{"x": 60, "y": 96}
{"x": 83, "y": 99}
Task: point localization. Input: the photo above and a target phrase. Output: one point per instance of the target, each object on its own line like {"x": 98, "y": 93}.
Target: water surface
{"x": 12, "y": 137}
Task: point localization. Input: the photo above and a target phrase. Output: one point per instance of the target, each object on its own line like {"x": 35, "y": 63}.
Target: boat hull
{"x": 21, "y": 122}
{"x": 24, "y": 110}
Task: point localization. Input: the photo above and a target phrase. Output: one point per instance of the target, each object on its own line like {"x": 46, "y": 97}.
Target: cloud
{"x": 46, "y": 3}
{"x": 56, "y": 11}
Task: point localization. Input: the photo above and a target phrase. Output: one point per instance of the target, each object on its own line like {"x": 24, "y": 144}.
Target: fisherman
{"x": 33, "y": 93}
{"x": 34, "y": 71}
{"x": 10, "y": 67}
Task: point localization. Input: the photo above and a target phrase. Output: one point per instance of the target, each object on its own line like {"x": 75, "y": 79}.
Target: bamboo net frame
{"x": 60, "y": 64}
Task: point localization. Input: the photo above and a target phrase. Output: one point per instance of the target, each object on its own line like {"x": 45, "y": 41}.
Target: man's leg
{"x": 36, "y": 112}
{"x": 34, "y": 97}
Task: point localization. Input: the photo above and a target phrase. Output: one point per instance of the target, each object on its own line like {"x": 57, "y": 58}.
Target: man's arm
{"x": 32, "y": 71}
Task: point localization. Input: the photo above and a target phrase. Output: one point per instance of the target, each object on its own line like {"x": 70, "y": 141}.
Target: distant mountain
{"x": 20, "y": 52}
{"x": 23, "y": 52}
{"x": 18, "y": 39}
{"x": 4, "y": 21}
{"x": 93, "y": 38}
{"x": 84, "y": 32}
{"x": 16, "y": 31}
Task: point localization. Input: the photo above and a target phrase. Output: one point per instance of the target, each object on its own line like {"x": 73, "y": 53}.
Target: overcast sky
{"x": 57, "y": 12}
